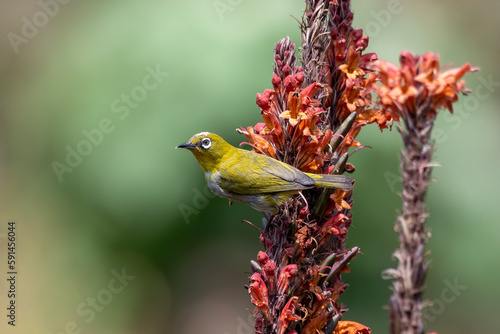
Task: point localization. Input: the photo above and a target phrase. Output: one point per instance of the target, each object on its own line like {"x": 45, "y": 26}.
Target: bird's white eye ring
{"x": 206, "y": 143}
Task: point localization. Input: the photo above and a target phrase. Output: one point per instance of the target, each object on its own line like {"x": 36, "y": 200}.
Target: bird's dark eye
{"x": 206, "y": 143}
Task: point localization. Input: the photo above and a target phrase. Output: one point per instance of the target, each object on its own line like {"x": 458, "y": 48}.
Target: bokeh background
{"x": 118, "y": 208}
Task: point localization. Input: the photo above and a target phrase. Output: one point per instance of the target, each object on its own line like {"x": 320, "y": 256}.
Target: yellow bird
{"x": 258, "y": 180}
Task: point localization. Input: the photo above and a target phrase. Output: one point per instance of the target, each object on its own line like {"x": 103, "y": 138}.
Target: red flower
{"x": 286, "y": 275}
{"x": 336, "y": 225}
{"x": 269, "y": 272}
{"x": 258, "y": 293}
{"x": 288, "y": 314}
{"x": 298, "y": 128}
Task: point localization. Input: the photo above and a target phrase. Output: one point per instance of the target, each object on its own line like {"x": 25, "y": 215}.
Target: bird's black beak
{"x": 188, "y": 146}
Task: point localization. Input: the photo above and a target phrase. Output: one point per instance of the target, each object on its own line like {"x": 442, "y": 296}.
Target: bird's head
{"x": 208, "y": 148}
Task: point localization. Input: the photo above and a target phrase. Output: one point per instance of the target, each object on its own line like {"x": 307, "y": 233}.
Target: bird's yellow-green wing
{"x": 252, "y": 173}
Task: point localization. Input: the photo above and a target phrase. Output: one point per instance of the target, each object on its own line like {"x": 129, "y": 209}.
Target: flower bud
{"x": 262, "y": 101}
{"x": 290, "y": 83}
{"x": 286, "y": 70}
{"x": 299, "y": 76}
{"x": 276, "y": 81}
{"x": 263, "y": 258}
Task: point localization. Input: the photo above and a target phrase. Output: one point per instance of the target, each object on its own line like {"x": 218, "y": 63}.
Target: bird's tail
{"x": 343, "y": 182}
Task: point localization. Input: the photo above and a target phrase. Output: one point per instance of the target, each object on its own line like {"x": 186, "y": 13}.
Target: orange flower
{"x": 383, "y": 117}
{"x": 294, "y": 114}
{"x": 349, "y": 139}
{"x": 272, "y": 124}
{"x": 350, "y": 67}
{"x": 316, "y": 324}
{"x": 311, "y": 90}
{"x": 351, "y": 96}
{"x": 311, "y": 156}
{"x": 311, "y": 120}
{"x": 338, "y": 199}
{"x": 258, "y": 142}
{"x": 351, "y": 327}
{"x": 449, "y": 85}
{"x": 418, "y": 80}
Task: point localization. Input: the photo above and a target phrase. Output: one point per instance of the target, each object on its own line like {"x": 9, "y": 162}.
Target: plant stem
{"x": 405, "y": 309}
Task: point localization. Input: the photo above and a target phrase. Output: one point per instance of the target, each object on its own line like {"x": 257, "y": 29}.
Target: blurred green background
{"x": 117, "y": 209}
